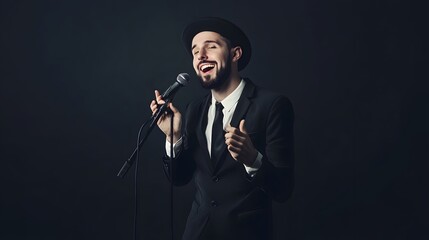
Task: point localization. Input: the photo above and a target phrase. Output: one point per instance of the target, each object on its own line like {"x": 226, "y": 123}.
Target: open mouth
{"x": 206, "y": 67}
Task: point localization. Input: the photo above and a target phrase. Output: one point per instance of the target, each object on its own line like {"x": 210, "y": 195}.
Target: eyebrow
{"x": 205, "y": 42}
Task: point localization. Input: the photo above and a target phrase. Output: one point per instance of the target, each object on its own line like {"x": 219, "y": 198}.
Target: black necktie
{"x": 218, "y": 138}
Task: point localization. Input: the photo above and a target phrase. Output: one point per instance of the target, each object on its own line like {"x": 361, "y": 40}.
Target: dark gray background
{"x": 77, "y": 78}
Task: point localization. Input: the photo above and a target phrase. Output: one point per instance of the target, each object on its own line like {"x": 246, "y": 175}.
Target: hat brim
{"x": 225, "y": 28}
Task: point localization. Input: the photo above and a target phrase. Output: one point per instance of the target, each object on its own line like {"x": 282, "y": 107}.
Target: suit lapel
{"x": 243, "y": 104}
{"x": 239, "y": 114}
{"x": 201, "y": 128}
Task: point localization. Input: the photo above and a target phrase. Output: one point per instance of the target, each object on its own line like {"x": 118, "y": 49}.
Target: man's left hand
{"x": 239, "y": 144}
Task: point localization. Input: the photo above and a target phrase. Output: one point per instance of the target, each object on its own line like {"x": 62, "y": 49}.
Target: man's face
{"x": 212, "y": 59}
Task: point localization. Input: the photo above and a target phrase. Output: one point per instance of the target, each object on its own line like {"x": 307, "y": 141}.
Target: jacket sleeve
{"x": 180, "y": 169}
{"x": 276, "y": 175}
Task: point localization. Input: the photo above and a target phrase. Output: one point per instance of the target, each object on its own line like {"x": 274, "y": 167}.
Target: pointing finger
{"x": 159, "y": 99}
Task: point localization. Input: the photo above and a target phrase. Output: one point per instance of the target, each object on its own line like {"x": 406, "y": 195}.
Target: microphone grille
{"x": 183, "y": 78}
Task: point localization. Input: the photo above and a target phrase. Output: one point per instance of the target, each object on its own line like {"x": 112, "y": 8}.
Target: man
{"x": 236, "y": 143}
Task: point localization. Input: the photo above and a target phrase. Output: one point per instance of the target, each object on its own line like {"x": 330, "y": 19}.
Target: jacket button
{"x": 216, "y": 179}
{"x": 213, "y": 203}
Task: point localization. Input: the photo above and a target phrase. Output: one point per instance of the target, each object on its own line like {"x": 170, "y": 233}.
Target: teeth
{"x": 206, "y": 66}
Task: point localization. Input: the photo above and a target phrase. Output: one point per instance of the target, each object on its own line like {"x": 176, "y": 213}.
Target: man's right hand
{"x": 164, "y": 120}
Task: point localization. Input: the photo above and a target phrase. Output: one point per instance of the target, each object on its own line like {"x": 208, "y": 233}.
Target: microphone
{"x": 181, "y": 81}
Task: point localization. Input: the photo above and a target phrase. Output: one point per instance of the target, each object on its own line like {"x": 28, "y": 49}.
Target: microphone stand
{"x": 171, "y": 177}
{"x": 135, "y": 155}
{"x": 128, "y": 163}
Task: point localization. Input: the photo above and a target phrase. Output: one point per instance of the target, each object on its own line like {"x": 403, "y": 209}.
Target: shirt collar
{"x": 232, "y": 98}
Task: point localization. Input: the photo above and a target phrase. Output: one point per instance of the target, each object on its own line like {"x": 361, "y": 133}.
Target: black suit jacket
{"x": 228, "y": 203}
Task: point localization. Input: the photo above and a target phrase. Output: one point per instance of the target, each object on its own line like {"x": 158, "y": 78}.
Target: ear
{"x": 237, "y": 52}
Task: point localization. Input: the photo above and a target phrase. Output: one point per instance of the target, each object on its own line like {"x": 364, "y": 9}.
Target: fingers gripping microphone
{"x": 181, "y": 81}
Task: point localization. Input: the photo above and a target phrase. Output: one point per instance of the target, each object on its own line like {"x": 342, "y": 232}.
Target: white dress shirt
{"x": 229, "y": 105}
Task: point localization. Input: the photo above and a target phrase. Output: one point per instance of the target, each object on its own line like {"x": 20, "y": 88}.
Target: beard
{"x": 220, "y": 79}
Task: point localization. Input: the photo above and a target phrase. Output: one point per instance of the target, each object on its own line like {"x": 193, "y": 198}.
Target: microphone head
{"x": 183, "y": 78}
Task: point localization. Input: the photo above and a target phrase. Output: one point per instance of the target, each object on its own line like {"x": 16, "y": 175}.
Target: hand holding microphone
{"x": 158, "y": 105}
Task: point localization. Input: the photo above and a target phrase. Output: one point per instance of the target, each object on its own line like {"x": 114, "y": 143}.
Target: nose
{"x": 202, "y": 55}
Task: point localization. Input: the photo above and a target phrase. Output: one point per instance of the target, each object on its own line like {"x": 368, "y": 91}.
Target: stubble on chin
{"x": 207, "y": 82}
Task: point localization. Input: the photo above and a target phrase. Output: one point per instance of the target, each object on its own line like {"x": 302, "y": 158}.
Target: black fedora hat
{"x": 225, "y": 28}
